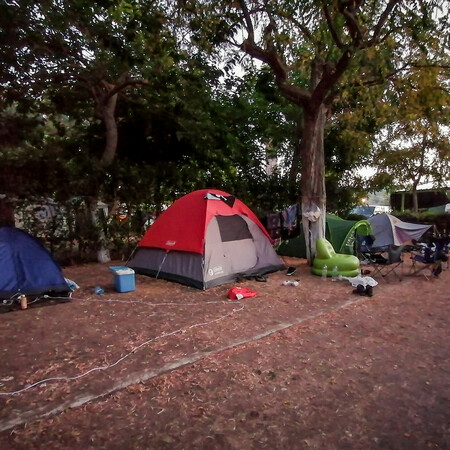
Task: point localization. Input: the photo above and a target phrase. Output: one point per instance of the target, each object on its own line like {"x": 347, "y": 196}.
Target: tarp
{"x": 388, "y": 229}
{"x": 339, "y": 232}
{"x": 27, "y": 267}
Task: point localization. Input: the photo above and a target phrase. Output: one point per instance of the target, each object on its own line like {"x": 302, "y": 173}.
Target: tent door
{"x": 229, "y": 247}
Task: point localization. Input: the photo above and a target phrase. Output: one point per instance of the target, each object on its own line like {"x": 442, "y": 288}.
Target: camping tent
{"x": 27, "y": 267}
{"x": 204, "y": 239}
{"x": 339, "y": 232}
{"x": 388, "y": 229}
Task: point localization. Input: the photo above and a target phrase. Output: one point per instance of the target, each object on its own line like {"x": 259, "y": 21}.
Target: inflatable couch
{"x": 347, "y": 265}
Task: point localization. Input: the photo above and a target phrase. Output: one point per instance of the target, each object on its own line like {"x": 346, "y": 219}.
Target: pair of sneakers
{"x": 364, "y": 290}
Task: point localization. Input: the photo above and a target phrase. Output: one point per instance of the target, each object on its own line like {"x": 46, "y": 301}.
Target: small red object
{"x": 240, "y": 292}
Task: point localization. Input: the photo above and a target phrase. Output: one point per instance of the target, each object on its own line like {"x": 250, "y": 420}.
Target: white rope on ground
{"x": 137, "y": 302}
{"x": 135, "y": 349}
{"x": 36, "y": 414}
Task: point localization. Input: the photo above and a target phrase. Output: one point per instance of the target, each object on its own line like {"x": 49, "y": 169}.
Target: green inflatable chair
{"x": 347, "y": 265}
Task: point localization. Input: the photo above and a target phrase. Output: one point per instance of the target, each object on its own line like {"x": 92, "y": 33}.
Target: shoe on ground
{"x": 369, "y": 291}
{"x": 291, "y": 271}
{"x": 261, "y": 278}
{"x": 360, "y": 290}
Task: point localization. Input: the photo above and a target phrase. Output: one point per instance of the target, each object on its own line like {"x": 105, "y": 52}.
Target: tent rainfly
{"x": 204, "y": 239}
{"x": 27, "y": 267}
{"x": 388, "y": 229}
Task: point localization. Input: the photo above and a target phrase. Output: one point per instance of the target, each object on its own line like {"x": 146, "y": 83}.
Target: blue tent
{"x": 27, "y": 267}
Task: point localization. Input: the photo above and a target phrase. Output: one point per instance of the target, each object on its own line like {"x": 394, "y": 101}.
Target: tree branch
{"x": 299, "y": 25}
{"x": 266, "y": 56}
{"x": 330, "y": 77}
{"x": 120, "y": 87}
{"x": 295, "y": 94}
{"x": 248, "y": 21}
{"x": 382, "y": 20}
{"x": 348, "y": 9}
{"x": 292, "y": 93}
{"x": 331, "y": 27}
{"x": 270, "y": 28}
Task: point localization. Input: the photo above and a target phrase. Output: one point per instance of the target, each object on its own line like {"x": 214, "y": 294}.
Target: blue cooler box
{"x": 123, "y": 278}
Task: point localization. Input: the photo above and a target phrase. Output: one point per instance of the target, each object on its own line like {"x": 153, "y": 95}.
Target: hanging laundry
{"x": 273, "y": 221}
{"x": 274, "y": 225}
{"x": 290, "y": 217}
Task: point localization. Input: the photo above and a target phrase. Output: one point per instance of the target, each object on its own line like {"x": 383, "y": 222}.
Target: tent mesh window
{"x": 233, "y": 228}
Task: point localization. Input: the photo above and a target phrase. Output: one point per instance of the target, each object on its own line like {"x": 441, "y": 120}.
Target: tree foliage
{"x": 414, "y": 148}
{"x": 140, "y": 103}
{"x": 317, "y": 51}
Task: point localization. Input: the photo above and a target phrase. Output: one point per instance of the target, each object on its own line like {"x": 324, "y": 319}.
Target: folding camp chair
{"x": 429, "y": 259}
{"x": 368, "y": 254}
{"x": 365, "y": 250}
{"x": 387, "y": 262}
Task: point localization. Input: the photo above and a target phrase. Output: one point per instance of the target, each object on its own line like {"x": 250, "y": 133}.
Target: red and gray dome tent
{"x": 27, "y": 267}
{"x": 204, "y": 239}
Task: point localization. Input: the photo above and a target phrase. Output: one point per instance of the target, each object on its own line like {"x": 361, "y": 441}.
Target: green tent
{"x": 341, "y": 234}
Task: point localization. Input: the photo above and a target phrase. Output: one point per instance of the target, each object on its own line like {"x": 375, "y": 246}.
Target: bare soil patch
{"x": 168, "y": 366}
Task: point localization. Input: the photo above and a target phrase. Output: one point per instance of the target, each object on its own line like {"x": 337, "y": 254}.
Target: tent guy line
{"x": 150, "y": 373}
{"x": 135, "y": 349}
{"x": 136, "y": 302}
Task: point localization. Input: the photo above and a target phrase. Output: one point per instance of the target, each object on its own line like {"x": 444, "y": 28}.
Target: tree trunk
{"x": 6, "y": 213}
{"x": 313, "y": 196}
{"x": 98, "y": 220}
{"x": 297, "y": 150}
{"x": 417, "y": 178}
{"x": 315, "y": 102}
{"x": 312, "y": 153}
{"x": 108, "y": 116}
{"x": 415, "y": 199}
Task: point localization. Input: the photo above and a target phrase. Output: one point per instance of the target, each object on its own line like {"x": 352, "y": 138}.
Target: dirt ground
{"x": 166, "y": 366}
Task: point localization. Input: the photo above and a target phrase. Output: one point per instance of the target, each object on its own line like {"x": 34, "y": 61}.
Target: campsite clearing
{"x": 308, "y": 366}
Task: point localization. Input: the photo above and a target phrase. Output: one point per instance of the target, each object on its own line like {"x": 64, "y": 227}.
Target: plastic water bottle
{"x": 98, "y": 290}
{"x": 334, "y": 273}
{"x": 291, "y": 283}
{"x": 324, "y": 272}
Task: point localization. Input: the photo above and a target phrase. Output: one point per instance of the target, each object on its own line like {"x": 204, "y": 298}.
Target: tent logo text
{"x": 215, "y": 271}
